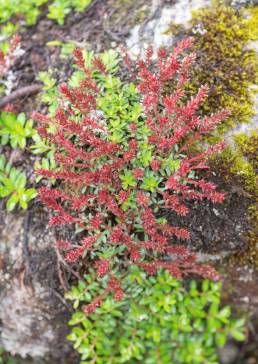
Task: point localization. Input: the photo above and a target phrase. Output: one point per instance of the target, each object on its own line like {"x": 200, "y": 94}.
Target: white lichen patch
{"x": 23, "y": 313}
{"x": 154, "y": 31}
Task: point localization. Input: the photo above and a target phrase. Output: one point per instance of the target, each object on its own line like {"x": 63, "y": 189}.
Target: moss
{"x": 224, "y": 61}
{"x": 250, "y": 255}
{"x": 232, "y": 164}
{"x": 252, "y": 22}
{"x": 247, "y": 145}
{"x": 129, "y": 12}
{"x": 174, "y": 29}
{"x": 140, "y": 15}
{"x": 240, "y": 164}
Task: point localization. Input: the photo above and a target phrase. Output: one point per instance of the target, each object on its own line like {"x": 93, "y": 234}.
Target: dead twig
{"x": 61, "y": 262}
{"x": 22, "y": 92}
{"x": 61, "y": 299}
{"x": 63, "y": 283}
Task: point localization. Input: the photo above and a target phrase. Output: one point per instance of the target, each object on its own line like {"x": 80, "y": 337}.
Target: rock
{"x": 26, "y": 322}
{"x": 33, "y": 313}
{"x": 153, "y": 30}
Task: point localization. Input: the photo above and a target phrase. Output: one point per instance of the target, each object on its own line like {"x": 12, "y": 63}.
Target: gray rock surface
{"x": 33, "y": 313}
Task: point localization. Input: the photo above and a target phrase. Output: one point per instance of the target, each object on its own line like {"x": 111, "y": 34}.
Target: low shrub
{"x": 123, "y": 155}
{"x": 159, "y": 321}
{"x": 238, "y": 164}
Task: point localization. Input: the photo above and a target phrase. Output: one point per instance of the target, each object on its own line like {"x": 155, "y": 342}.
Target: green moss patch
{"x": 225, "y": 62}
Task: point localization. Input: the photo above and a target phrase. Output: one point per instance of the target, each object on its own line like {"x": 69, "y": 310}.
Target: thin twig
{"x": 60, "y": 261}
{"x": 24, "y": 91}
{"x": 59, "y": 272}
{"x": 61, "y": 299}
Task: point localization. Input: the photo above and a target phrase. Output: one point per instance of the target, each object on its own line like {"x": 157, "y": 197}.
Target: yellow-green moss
{"x": 224, "y": 61}
{"x": 241, "y": 161}
{"x": 247, "y": 145}
{"x": 253, "y": 21}
{"x": 250, "y": 256}
{"x": 241, "y": 165}
{"x": 175, "y": 29}
{"x": 233, "y": 164}
{"x": 130, "y": 11}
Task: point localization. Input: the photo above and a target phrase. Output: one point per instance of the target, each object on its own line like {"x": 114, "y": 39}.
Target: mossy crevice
{"x": 239, "y": 164}
{"x": 228, "y": 64}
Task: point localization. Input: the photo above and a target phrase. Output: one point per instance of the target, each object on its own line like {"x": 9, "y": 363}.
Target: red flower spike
{"x": 102, "y": 267}
{"x": 138, "y": 173}
{"x": 90, "y": 308}
{"x": 135, "y": 253}
{"x": 155, "y": 165}
{"x": 142, "y": 199}
{"x": 123, "y": 195}
{"x": 96, "y": 221}
{"x": 117, "y": 235}
{"x": 88, "y": 242}
{"x": 118, "y": 295}
{"x": 99, "y": 65}
{"x": 162, "y": 53}
{"x": 73, "y": 255}
{"x": 9, "y": 108}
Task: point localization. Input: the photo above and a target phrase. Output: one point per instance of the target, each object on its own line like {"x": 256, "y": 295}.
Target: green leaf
{"x": 30, "y": 194}
{"x": 224, "y": 313}
{"x": 2, "y": 162}
{"x": 21, "y": 181}
{"x": 150, "y": 183}
{"x": 23, "y": 204}
{"x": 128, "y": 180}
{"x": 77, "y": 318}
{"x": 220, "y": 338}
{"x": 21, "y": 119}
{"x": 11, "y": 203}
{"x": 238, "y": 335}
{"x": 14, "y": 141}
{"x": 145, "y": 157}
{"x": 15, "y": 129}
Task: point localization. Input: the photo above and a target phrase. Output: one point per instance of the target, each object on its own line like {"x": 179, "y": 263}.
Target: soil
{"x": 27, "y": 257}
{"x": 217, "y": 228}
